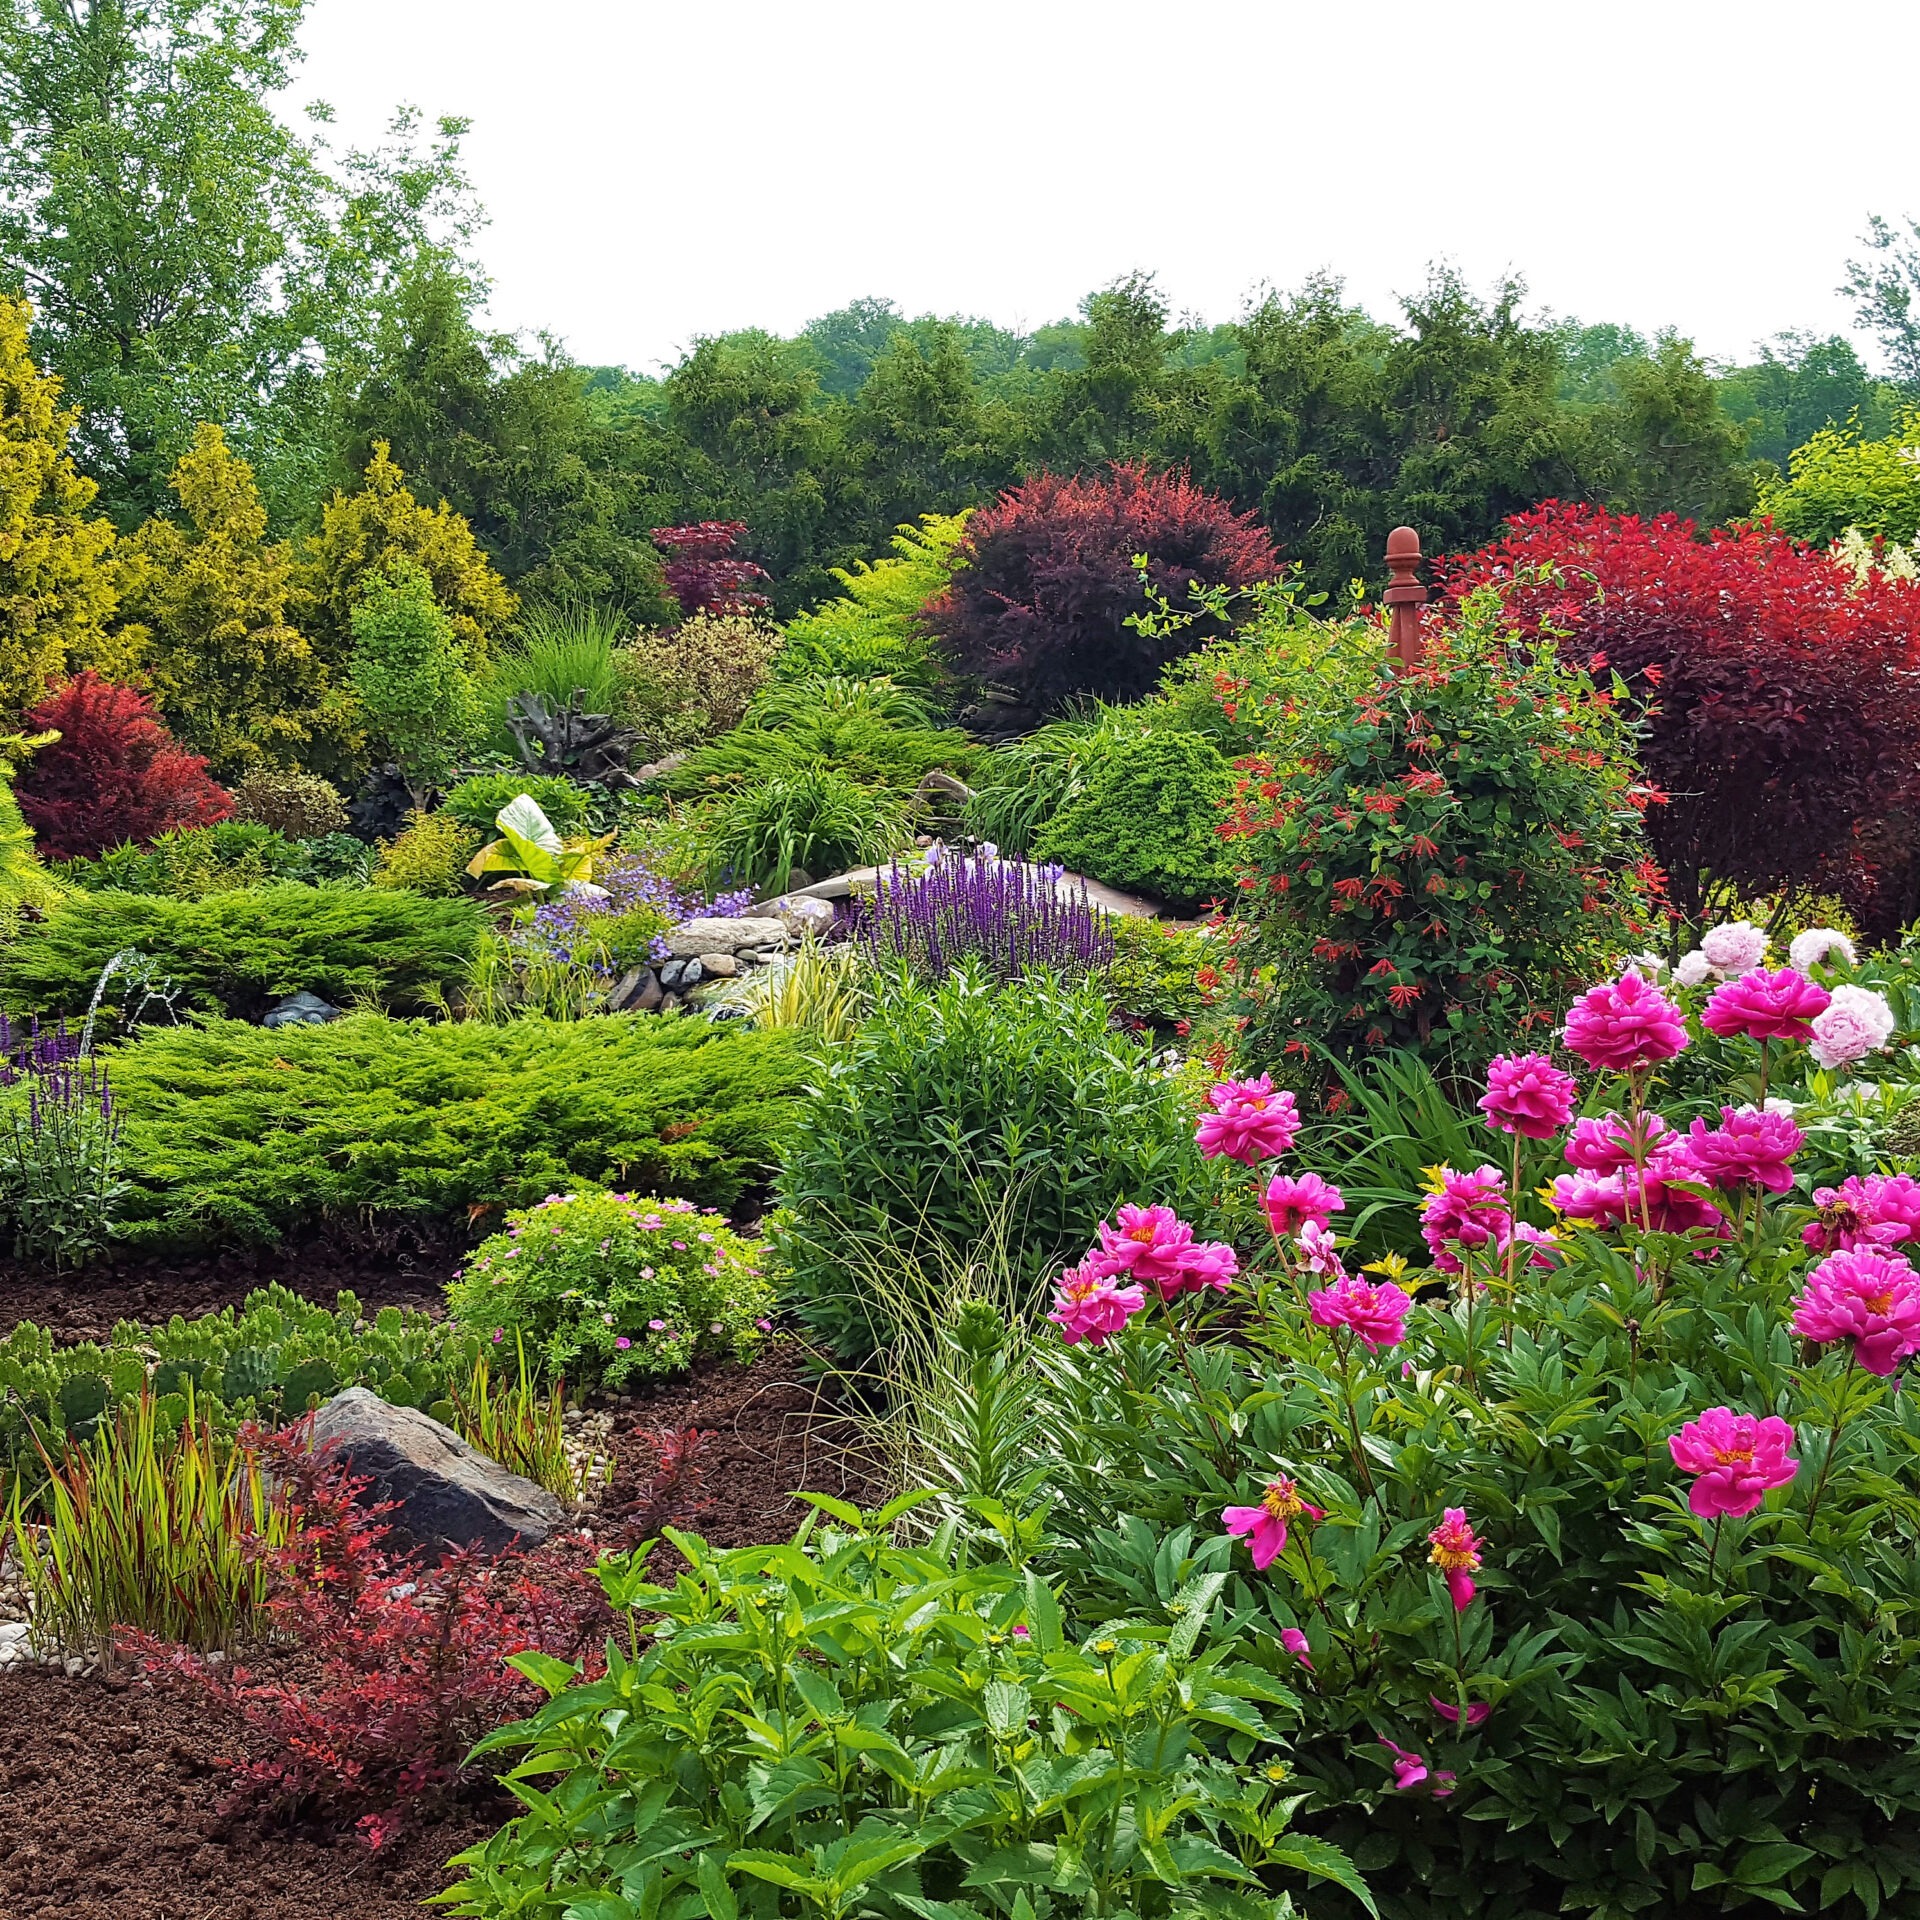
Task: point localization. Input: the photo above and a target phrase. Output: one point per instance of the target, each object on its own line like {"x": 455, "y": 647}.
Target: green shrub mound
{"x": 477, "y": 800}
{"x": 969, "y": 1124}
{"x": 1147, "y": 818}
{"x": 604, "y": 1286}
{"x": 191, "y": 862}
{"x": 237, "y": 953}
{"x": 237, "y": 1132}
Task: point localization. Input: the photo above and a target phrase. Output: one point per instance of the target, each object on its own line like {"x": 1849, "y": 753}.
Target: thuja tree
{"x": 1427, "y": 858}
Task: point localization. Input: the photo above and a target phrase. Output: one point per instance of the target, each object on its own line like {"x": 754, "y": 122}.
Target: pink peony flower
{"x": 1089, "y": 1305}
{"x": 1265, "y": 1526}
{"x": 1207, "y": 1263}
{"x": 1527, "y": 1094}
{"x": 1857, "y": 1023}
{"x": 1812, "y": 945}
{"x": 1543, "y": 1244}
{"x": 1749, "y": 1148}
{"x": 1868, "y": 1297}
{"x": 1409, "y": 1769}
{"x": 1319, "y": 1252}
{"x": 1248, "y": 1121}
{"x": 1295, "y": 1643}
{"x": 1464, "y": 1211}
{"x": 1606, "y": 1145}
{"x": 1605, "y": 1201}
{"x": 1623, "y": 1025}
{"x": 1378, "y": 1314}
{"x": 1291, "y": 1203}
{"x": 1477, "y": 1710}
{"x": 1766, "y": 1006}
{"x": 1149, "y": 1244}
{"x": 1734, "y": 946}
{"x": 1456, "y": 1552}
{"x": 1880, "y": 1211}
{"x": 1735, "y": 1459}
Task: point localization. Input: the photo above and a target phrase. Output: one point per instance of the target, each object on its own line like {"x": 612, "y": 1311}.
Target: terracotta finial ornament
{"x": 1405, "y": 595}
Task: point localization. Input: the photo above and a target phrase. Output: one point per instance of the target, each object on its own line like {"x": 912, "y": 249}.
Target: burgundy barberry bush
{"x": 115, "y": 773}
{"x": 1046, "y": 582}
{"x": 704, "y": 574}
{"x": 1782, "y": 709}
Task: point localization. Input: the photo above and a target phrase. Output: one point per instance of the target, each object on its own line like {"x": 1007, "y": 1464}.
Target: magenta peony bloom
{"x": 1378, "y": 1314}
{"x": 1248, "y": 1121}
{"x": 1207, "y": 1263}
{"x": 1089, "y": 1305}
{"x": 1150, "y": 1244}
{"x": 1749, "y": 1148}
{"x": 1456, "y": 1552}
{"x": 1868, "y": 1297}
{"x": 1859, "y": 1022}
{"x": 1527, "y": 1094}
{"x": 1605, "y": 1201}
{"x": 1623, "y": 1025}
{"x": 1606, "y": 1145}
{"x": 1880, "y": 1211}
{"x": 1290, "y": 1203}
{"x": 1766, "y": 1006}
{"x": 1265, "y": 1526}
{"x": 1477, "y": 1710}
{"x": 1409, "y": 1769}
{"x": 1465, "y": 1211}
{"x": 1734, "y": 1459}
{"x": 1542, "y": 1244}
{"x": 1295, "y": 1643}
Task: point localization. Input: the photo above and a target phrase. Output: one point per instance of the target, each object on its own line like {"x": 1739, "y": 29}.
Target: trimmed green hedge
{"x": 235, "y": 1132}
{"x": 237, "y": 953}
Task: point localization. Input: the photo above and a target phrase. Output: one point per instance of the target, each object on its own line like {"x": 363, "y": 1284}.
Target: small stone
{"x": 626, "y": 990}
{"x": 671, "y": 1004}
{"x": 691, "y": 974}
{"x": 648, "y": 999}
{"x": 721, "y": 965}
{"x": 801, "y": 915}
{"x": 670, "y": 973}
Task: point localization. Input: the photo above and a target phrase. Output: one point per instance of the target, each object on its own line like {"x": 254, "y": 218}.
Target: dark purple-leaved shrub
{"x": 1012, "y": 917}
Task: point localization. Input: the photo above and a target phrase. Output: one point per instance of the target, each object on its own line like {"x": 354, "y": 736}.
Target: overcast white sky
{"x": 657, "y": 171}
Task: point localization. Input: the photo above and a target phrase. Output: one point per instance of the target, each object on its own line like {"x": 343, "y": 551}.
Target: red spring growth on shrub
{"x": 702, "y": 571}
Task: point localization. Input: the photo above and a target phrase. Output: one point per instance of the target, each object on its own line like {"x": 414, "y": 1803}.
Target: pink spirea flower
{"x": 1291, "y": 1203}
{"x": 1879, "y": 1211}
{"x": 1477, "y": 1710}
{"x": 1089, "y": 1305}
{"x": 1320, "y": 1251}
{"x": 1464, "y": 1211}
{"x": 1857, "y": 1023}
{"x": 1868, "y": 1297}
{"x": 1409, "y": 1769}
{"x": 1734, "y": 1458}
{"x": 1247, "y": 1121}
{"x": 1749, "y": 1148}
{"x": 1456, "y": 1552}
{"x": 1766, "y": 1006}
{"x": 1734, "y": 946}
{"x": 1527, "y": 1094}
{"x": 1265, "y": 1527}
{"x": 1607, "y": 1144}
{"x": 1295, "y": 1643}
{"x": 1378, "y": 1314}
{"x": 1623, "y": 1025}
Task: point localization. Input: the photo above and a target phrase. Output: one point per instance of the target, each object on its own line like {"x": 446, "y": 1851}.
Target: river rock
{"x": 721, "y": 966}
{"x": 695, "y": 937}
{"x": 801, "y": 914}
{"x": 449, "y": 1494}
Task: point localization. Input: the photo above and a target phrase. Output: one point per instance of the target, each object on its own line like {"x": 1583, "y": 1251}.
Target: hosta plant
{"x": 531, "y": 854}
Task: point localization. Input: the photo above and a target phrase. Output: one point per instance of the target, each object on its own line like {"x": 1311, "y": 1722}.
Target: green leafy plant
{"x": 850, "y": 1729}
{"x": 1022, "y": 785}
{"x": 817, "y": 991}
{"x": 691, "y": 682}
{"x": 302, "y": 806}
{"x": 1154, "y": 972}
{"x": 191, "y": 862}
{"x": 532, "y": 854}
{"x": 428, "y": 855}
{"x": 605, "y": 1286}
{"x": 477, "y": 800}
{"x": 815, "y": 818}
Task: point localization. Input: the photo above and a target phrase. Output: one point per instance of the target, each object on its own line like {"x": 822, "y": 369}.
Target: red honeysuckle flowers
{"x": 1749, "y": 1148}
{"x": 1464, "y": 1212}
{"x": 1265, "y": 1527}
{"x": 1766, "y": 1006}
{"x": 1409, "y": 1769}
{"x": 1735, "y": 1459}
{"x": 1880, "y": 1211}
{"x": 1527, "y": 1094}
{"x": 1247, "y": 1121}
{"x": 1291, "y": 1203}
{"x": 1089, "y": 1305}
{"x": 1868, "y": 1297}
{"x": 1456, "y": 1552}
{"x": 1378, "y": 1314}
{"x": 1624, "y": 1025}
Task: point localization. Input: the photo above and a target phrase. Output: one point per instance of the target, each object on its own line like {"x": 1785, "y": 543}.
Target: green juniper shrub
{"x": 956, "y": 1104}
{"x": 476, "y": 801}
{"x": 604, "y": 1287}
{"x": 238, "y": 953}
{"x": 886, "y": 1731}
{"x": 1148, "y": 818}
{"x": 232, "y": 1132}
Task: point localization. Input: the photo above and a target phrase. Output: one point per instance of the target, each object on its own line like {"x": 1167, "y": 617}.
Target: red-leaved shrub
{"x": 1781, "y": 702}
{"x": 702, "y": 571}
{"x": 1046, "y": 581}
{"x": 114, "y": 774}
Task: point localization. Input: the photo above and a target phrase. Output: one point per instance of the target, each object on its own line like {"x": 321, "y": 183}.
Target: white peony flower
{"x": 1692, "y": 970}
{"x": 1857, "y": 1022}
{"x": 1813, "y": 944}
{"x": 1734, "y": 946}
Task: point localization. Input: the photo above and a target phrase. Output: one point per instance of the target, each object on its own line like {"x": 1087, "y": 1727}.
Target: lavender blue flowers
{"x": 1012, "y": 917}
{"x": 59, "y": 1147}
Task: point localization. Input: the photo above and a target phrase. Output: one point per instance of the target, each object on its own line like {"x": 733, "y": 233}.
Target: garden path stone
{"x": 449, "y": 1494}
{"x": 1128, "y": 906}
{"x": 695, "y": 937}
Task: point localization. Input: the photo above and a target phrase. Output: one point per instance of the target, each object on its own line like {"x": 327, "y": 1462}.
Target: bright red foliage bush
{"x": 1781, "y": 702}
{"x": 114, "y": 774}
{"x": 702, "y": 572}
{"x": 1046, "y": 580}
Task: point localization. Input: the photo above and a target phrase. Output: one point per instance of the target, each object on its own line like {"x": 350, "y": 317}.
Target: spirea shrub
{"x": 605, "y": 1287}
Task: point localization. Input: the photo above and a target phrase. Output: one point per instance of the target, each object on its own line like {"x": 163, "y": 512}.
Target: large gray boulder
{"x": 449, "y": 1494}
{"x": 692, "y": 938}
